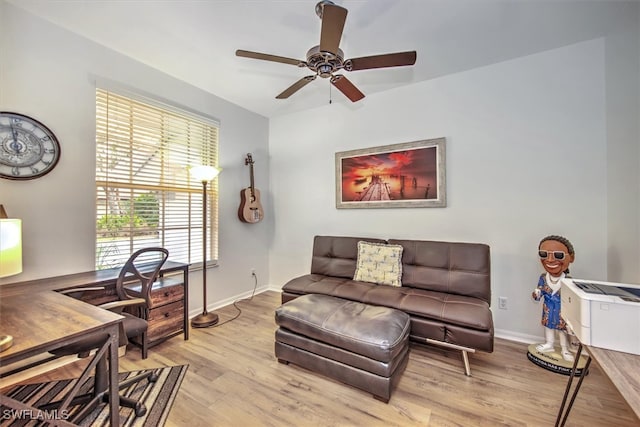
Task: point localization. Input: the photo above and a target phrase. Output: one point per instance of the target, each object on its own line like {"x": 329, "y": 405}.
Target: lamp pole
{"x": 205, "y": 174}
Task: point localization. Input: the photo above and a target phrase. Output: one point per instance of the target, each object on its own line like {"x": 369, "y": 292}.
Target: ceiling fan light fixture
{"x": 325, "y": 70}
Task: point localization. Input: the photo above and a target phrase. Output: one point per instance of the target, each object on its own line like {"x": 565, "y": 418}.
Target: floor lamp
{"x": 10, "y": 256}
{"x": 204, "y": 174}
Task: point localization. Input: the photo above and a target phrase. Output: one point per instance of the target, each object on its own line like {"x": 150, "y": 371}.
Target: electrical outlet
{"x": 502, "y": 303}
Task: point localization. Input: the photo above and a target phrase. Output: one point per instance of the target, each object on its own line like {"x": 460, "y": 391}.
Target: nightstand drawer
{"x": 165, "y": 320}
{"x": 166, "y": 290}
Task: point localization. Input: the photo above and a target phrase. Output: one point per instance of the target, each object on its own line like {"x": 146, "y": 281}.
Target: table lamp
{"x": 10, "y": 256}
{"x": 204, "y": 174}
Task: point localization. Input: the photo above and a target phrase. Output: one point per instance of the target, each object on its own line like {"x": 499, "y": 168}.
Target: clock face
{"x": 28, "y": 149}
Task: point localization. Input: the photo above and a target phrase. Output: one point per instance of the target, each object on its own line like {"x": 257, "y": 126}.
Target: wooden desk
{"x": 43, "y": 321}
{"x": 621, "y": 369}
{"x": 108, "y": 279}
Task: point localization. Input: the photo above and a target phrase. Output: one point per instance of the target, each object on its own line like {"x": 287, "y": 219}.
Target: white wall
{"x": 526, "y": 157}
{"x": 48, "y": 73}
{"x": 623, "y": 136}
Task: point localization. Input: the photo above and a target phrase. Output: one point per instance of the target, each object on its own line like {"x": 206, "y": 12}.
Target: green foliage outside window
{"x": 137, "y": 217}
{"x": 147, "y": 207}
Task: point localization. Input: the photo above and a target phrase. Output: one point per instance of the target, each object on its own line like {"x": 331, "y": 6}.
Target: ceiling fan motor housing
{"x": 324, "y": 63}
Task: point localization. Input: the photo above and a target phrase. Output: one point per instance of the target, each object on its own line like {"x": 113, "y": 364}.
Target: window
{"x": 145, "y": 196}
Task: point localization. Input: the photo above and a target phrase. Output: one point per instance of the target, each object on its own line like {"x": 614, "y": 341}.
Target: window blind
{"x": 145, "y": 196}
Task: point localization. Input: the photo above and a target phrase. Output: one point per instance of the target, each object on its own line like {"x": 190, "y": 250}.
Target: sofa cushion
{"x": 336, "y": 256}
{"x": 450, "y": 309}
{"x": 379, "y": 263}
{"x": 450, "y": 267}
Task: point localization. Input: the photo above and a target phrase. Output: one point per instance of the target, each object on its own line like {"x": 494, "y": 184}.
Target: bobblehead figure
{"x": 556, "y": 253}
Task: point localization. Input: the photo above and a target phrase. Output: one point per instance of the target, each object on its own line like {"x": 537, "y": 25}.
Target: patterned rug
{"x": 157, "y": 396}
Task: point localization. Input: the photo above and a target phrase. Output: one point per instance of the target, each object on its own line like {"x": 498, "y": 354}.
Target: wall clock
{"x": 28, "y": 149}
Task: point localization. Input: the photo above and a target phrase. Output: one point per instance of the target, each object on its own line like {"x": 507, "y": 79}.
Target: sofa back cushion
{"x": 450, "y": 267}
{"x": 336, "y": 255}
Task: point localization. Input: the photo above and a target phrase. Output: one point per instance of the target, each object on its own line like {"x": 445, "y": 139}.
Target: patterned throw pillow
{"x": 379, "y": 263}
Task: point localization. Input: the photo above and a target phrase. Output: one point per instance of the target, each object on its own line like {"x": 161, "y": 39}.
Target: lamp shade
{"x": 204, "y": 173}
{"x": 10, "y": 247}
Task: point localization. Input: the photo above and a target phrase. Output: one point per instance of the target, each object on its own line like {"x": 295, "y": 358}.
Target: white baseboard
{"x": 228, "y": 301}
{"x": 517, "y": 336}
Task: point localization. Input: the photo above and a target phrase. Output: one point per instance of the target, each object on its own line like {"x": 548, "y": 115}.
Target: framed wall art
{"x": 406, "y": 175}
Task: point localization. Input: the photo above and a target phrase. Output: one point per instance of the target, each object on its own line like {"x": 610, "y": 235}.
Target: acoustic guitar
{"x": 250, "y": 208}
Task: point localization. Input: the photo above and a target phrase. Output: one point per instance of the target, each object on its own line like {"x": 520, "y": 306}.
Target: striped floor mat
{"x": 157, "y": 397}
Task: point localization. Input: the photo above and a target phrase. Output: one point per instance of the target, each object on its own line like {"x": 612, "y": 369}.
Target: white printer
{"x": 603, "y": 314}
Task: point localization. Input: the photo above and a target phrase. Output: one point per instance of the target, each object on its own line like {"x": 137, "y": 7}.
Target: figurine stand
{"x": 554, "y": 362}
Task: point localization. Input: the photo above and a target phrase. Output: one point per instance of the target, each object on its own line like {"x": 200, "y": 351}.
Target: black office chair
{"x": 134, "y": 282}
{"x": 142, "y": 269}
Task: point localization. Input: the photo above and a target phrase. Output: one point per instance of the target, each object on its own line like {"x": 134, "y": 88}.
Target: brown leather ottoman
{"x": 361, "y": 345}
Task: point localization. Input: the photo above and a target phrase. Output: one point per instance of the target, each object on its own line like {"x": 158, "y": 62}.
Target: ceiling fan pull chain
{"x": 330, "y": 94}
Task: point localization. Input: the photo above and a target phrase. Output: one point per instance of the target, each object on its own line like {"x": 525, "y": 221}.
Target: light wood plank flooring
{"x": 235, "y": 380}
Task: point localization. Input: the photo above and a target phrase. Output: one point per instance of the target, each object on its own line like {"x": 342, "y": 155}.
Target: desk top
{"x": 87, "y": 278}
{"x": 41, "y": 321}
{"x": 622, "y": 369}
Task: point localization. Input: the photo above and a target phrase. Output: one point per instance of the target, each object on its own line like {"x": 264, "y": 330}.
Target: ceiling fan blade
{"x": 399, "y": 59}
{"x": 345, "y": 86}
{"x": 273, "y": 58}
{"x": 296, "y": 87}
{"x": 333, "y": 18}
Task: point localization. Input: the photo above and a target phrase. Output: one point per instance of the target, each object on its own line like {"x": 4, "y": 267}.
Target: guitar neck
{"x": 251, "y": 175}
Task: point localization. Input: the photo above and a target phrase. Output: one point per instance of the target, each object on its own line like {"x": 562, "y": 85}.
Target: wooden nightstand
{"x": 167, "y": 311}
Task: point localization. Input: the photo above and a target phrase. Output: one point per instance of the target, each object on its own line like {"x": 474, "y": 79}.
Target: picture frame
{"x": 405, "y": 175}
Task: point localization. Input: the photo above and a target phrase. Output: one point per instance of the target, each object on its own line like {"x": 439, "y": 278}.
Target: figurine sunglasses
{"x": 559, "y": 255}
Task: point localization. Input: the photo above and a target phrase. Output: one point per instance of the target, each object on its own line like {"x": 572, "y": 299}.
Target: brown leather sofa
{"x": 446, "y": 288}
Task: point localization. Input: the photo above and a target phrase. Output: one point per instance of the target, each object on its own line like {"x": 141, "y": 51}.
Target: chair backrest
{"x": 142, "y": 268}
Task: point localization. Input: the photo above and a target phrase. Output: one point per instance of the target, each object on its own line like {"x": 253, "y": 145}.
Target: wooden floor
{"x": 234, "y": 380}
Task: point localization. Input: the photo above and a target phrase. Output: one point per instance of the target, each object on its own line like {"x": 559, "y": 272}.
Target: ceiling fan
{"x": 327, "y": 58}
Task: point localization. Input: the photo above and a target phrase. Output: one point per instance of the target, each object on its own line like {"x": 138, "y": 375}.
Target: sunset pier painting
{"x": 398, "y": 175}
{"x": 410, "y": 174}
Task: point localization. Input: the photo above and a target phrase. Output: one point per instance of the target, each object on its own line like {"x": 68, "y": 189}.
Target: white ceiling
{"x": 195, "y": 41}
